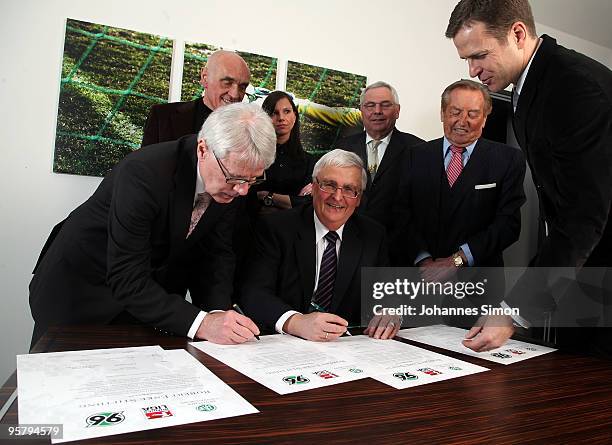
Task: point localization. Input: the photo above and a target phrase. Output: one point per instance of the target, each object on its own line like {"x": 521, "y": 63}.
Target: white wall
{"x": 394, "y": 40}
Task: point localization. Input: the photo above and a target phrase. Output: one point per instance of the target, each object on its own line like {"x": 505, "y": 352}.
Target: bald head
{"x": 224, "y": 79}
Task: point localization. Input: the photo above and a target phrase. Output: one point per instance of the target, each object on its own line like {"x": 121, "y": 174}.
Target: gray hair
{"x": 241, "y": 128}
{"x": 379, "y": 84}
{"x": 340, "y": 158}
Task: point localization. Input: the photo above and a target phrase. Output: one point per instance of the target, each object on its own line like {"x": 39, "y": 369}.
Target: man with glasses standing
{"x": 225, "y": 78}
{"x": 381, "y": 147}
{"x": 158, "y": 225}
{"x": 305, "y": 274}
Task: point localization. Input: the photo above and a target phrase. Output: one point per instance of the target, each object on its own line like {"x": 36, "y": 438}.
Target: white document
{"x": 398, "y": 364}
{"x": 285, "y": 364}
{"x": 112, "y": 391}
{"x": 448, "y": 337}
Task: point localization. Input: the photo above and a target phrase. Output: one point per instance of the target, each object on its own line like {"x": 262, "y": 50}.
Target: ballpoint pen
{"x": 318, "y": 308}
{"x": 237, "y": 309}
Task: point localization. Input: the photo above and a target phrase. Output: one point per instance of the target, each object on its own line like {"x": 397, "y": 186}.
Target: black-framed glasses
{"x": 331, "y": 187}
{"x": 236, "y": 180}
{"x": 371, "y": 106}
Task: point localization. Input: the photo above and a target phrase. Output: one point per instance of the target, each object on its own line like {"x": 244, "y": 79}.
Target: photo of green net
{"x": 263, "y": 72}
{"x": 328, "y": 102}
{"x": 110, "y": 79}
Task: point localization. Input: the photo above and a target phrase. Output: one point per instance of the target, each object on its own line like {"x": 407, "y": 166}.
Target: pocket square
{"x": 485, "y": 186}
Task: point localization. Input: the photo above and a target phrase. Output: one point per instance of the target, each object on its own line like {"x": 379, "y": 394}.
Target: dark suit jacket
{"x": 377, "y": 200}
{"x": 563, "y": 123}
{"x": 281, "y": 273}
{"x": 125, "y": 248}
{"x": 168, "y": 122}
{"x": 487, "y": 219}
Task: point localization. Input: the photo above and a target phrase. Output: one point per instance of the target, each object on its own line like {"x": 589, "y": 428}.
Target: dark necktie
{"x": 455, "y": 166}
{"x": 327, "y": 273}
{"x": 200, "y": 206}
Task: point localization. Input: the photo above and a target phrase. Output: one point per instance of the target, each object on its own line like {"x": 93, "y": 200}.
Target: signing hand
{"x": 227, "y": 328}
{"x": 383, "y": 326}
{"x": 317, "y": 326}
{"x": 489, "y": 332}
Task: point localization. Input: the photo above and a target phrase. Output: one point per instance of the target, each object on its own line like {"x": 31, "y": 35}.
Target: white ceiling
{"x": 588, "y": 19}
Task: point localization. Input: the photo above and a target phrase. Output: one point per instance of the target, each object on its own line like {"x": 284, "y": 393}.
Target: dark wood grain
{"x": 555, "y": 398}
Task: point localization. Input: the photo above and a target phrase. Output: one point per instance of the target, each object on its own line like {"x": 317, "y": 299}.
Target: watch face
{"x": 458, "y": 261}
{"x": 268, "y": 202}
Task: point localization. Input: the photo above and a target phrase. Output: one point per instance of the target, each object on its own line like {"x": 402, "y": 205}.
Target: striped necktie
{"x": 327, "y": 273}
{"x": 455, "y": 166}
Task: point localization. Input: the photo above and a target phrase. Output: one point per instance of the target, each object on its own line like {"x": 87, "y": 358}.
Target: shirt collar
{"x": 321, "y": 230}
{"x": 521, "y": 81}
{"x": 446, "y": 146}
{"x": 384, "y": 140}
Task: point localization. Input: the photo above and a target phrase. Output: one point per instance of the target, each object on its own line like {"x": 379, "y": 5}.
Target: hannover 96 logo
{"x": 105, "y": 419}
{"x": 295, "y": 380}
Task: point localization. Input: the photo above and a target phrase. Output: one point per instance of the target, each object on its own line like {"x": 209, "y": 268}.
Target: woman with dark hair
{"x": 289, "y": 178}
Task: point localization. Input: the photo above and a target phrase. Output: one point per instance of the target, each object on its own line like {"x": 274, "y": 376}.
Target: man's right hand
{"x": 316, "y": 326}
{"x": 227, "y": 328}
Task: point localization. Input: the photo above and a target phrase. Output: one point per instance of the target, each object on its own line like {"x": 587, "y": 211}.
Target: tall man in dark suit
{"x": 563, "y": 122}
{"x": 304, "y": 278}
{"x": 158, "y": 225}
{"x": 224, "y": 78}
{"x": 380, "y": 147}
{"x": 459, "y": 199}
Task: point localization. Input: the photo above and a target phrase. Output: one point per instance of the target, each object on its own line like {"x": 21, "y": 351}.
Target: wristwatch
{"x": 268, "y": 201}
{"x": 458, "y": 260}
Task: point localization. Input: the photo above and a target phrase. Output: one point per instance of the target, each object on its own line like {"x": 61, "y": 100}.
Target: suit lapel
{"x": 393, "y": 150}
{"x": 181, "y": 198}
{"x": 350, "y": 254}
{"x": 435, "y": 166}
{"x": 530, "y": 89}
{"x": 305, "y": 253}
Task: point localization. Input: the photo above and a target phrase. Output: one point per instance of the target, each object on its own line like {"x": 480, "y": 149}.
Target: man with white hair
{"x": 225, "y": 78}
{"x": 305, "y": 275}
{"x": 158, "y": 225}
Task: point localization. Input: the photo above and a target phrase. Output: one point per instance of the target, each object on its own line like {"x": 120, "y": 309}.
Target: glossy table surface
{"x": 554, "y": 398}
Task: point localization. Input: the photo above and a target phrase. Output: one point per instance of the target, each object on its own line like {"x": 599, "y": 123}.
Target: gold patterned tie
{"x": 201, "y": 204}
{"x": 373, "y": 156}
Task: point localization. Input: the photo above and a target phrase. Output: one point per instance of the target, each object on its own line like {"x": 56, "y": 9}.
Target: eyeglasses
{"x": 236, "y": 180}
{"x": 371, "y": 106}
{"x": 331, "y": 187}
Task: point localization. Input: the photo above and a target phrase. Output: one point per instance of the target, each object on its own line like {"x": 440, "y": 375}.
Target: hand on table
{"x": 316, "y": 326}
{"x": 227, "y": 328}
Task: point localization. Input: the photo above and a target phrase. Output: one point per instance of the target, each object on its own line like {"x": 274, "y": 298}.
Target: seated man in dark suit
{"x": 460, "y": 196}
{"x": 381, "y": 147}
{"x": 304, "y": 278}
{"x": 224, "y": 78}
{"x": 158, "y": 225}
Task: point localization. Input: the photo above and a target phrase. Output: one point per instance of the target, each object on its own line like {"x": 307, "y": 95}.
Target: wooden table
{"x": 555, "y": 398}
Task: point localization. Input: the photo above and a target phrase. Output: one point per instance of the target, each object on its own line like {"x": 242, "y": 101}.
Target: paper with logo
{"x": 113, "y": 391}
{"x": 285, "y": 364}
{"x": 448, "y": 337}
{"x": 398, "y": 364}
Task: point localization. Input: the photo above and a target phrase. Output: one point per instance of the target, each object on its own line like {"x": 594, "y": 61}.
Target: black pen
{"x": 237, "y": 309}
